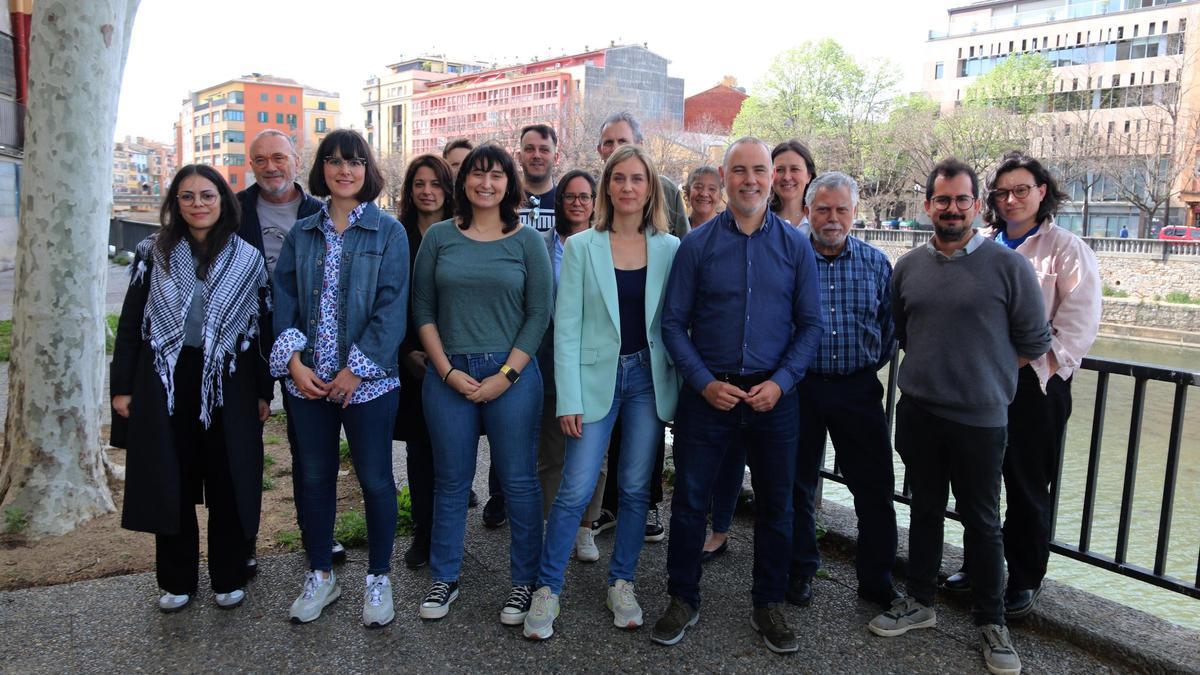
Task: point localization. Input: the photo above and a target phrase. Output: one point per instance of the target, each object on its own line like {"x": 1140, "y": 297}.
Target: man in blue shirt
{"x": 741, "y": 321}
{"x": 841, "y": 394}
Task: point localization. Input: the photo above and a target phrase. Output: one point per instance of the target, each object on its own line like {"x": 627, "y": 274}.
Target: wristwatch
{"x": 511, "y": 373}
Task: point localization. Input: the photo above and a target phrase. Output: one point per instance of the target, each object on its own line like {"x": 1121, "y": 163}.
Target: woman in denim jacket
{"x": 341, "y": 289}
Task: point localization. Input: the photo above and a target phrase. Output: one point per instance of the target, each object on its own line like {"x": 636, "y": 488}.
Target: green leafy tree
{"x": 1020, "y": 84}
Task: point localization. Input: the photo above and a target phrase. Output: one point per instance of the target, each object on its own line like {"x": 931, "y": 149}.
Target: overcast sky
{"x": 179, "y": 47}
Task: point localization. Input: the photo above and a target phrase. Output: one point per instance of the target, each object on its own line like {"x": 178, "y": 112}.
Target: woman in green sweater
{"x": 481, "y": 302}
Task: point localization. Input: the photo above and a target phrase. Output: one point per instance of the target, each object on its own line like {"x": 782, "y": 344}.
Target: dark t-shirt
{"x": 538, "y": 210}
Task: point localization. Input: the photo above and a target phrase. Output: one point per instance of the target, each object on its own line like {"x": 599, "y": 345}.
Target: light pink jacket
{"x": 1070, "y": 279}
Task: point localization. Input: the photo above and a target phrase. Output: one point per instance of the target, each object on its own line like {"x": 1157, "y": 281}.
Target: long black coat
{"x": 152, "y": 480}
{"x": 410, "y": 416}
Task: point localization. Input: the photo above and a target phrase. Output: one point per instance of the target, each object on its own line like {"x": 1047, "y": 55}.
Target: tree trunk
{"x": 52, "y": 465}
{"x": 1085, "y": 226}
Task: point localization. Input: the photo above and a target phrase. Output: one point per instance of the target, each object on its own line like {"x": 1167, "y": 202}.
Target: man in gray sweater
{"x": 968, "y": 315}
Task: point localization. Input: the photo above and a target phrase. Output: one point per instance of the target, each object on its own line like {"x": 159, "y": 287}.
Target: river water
{"x": 1156, "y": 424}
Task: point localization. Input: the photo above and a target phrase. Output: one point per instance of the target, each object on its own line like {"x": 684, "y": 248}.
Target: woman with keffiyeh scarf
{"x": 190, "y": 390}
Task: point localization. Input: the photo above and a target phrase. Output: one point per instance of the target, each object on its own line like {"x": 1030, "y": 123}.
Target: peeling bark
{"x": 52, "y": 462}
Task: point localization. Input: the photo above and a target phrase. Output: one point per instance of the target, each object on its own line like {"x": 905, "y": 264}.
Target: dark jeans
{"x": 728, "y": 488}
{"x": 851, "y": 409}
{"x": 368, "y": 425}
{"x": 705, "y": 433}
{"x": 940, "y": 455}
{"x": 420, "y": 487}
{"x": 612, "y": 493}
{"x": 1036, "y": 423}
{"x": 203, "y": 477}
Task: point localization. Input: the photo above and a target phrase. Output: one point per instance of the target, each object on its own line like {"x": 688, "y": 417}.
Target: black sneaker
{"x": 338, "y": 553}
{"x": 606, "y": 521}
{"x": 437, "y": 601}
{"x": 654, "y": 528}
{"x": 1018, "y": 603}
{"x": 417, "y": 555}
{"x": 514, "y": 610}
{"x": 679, "y": 617}
{"x": 473, "y": 499}
{"x": 800, "y": 591}
{"x": 769, "y": 623}
{"x": 494, "y": 513}
{"x": 959, "y": 582}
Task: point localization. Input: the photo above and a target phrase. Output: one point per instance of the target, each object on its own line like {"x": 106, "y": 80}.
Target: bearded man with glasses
{"x": 968, "y": 314}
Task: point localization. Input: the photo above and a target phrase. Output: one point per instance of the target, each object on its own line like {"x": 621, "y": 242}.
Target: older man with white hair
{"x": 841, "y": 395}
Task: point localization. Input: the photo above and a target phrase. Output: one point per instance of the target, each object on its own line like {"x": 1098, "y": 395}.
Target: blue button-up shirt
{"x": 856, "y": 302}
{"x": 750, "y": 303}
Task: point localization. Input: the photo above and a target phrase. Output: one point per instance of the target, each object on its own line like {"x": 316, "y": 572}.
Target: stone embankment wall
{"x": 1146, "y": 278}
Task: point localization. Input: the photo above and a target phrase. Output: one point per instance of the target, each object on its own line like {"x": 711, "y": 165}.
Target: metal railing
{"x": 1161, "y": 249}
{"x": 1083, "y": 551}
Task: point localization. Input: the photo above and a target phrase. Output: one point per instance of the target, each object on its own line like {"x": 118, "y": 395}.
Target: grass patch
{"x": 279, "y": 415}
{"x": 289, "y": 540}
{"x": 272, "y": 439}
{"x": 404, "y": 521}
{"x": 1110, "y": 292}
{"x": 15, "y": 520}
{"x": 268, "y": 483}
{"x": 344, "y": 450}
{"x": 110, "y": 336}
{"x": 350, "y": 528}
{"x": 268, "y": 461}
{"x": 1181, "y": 298}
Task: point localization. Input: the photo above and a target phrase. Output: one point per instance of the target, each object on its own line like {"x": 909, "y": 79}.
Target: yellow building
{"x": 322, "y": 114}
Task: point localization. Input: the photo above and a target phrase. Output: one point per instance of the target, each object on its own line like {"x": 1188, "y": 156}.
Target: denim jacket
{"x": 372, "y": 287}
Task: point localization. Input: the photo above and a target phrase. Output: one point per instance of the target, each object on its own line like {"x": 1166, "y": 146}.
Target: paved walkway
{"x": 112, "y": 624}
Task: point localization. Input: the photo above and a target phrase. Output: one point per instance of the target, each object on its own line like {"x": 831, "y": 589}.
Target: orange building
{"x": 713, "y": 110}
{"x": 217, "y": 123}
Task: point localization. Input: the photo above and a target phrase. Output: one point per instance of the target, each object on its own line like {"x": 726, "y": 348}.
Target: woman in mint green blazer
{"x": 609, "y": 359}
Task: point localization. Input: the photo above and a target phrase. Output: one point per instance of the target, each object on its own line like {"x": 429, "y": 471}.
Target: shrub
{"x": 350, "y": 528}
{"x": 1110, "y": 292}
{"x": 15, "y": 520}
{"x": 1181, "y": 298}
{"x": 404, "y": 521}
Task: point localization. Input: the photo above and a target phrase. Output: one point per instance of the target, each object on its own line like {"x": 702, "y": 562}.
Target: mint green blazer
{"x": 587, "y": 326}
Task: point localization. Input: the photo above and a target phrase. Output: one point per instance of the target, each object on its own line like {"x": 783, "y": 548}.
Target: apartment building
{"x": 387, "y": 98}
{"x": 142, "y": 166}
{"x": 561, "y": 91}
{"x": 1116, "y": 65}
{"x": 217, "y": 123}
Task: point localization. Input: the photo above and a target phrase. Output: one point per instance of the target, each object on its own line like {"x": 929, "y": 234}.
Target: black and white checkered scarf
{"x": 232, "y": 290}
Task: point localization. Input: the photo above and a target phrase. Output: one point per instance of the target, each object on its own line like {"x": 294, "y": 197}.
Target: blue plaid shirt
{"x": 856, "y": 303}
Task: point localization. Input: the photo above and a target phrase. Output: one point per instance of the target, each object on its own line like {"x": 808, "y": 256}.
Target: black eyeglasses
{"x": 963, "y": 202}
{"x": 582, "y": 197}
{"x": 1018, "y": 191}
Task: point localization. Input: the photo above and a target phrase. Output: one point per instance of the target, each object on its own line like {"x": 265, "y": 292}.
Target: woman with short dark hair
{"x": 481, "y": 302}
{"x": 341, "y": 286}
{"x": 190, "y": 391}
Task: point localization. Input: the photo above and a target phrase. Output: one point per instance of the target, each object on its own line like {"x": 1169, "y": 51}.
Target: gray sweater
{"x": 962, "y": 322}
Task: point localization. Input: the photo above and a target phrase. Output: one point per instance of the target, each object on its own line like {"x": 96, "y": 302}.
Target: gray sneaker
{"x": 543, "y": 610}
{"x": 377, "y": 602}
{"x": 680, "y": 616}
{"x": 317, "y": 594}
{"x": 170, "y": 603}
{"x": 906, "y": 614}
{"x": 998, "y": 651}
{"x": 585, "y": 545}
{"x": 624, "y": 605}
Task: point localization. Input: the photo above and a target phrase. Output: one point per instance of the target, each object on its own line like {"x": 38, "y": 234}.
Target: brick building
{"x": 713, "y": 110}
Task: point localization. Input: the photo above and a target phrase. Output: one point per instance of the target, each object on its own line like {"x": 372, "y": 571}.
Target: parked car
{"x": 1180, "y": 233}
{"x": 891, "y": 225}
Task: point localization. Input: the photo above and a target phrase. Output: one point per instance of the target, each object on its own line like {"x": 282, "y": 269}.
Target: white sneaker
{"x": 624, "y": 605}
{"x": 377, "y": 602}
{"x": 231, "y": 599}
{"x": 543, "y": 610}
{"x": 170, "y": 602}
{"x": 317, "y": 594}
{"x": 585, "y": 545}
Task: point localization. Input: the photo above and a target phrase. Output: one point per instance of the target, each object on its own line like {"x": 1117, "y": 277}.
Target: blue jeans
{"x": 728, "y": 488}
{"x": 511, "y": 423}
{"x": 704, "y": 436}
{"x": 640, "y": 430}
{"x": 369, "y": 430}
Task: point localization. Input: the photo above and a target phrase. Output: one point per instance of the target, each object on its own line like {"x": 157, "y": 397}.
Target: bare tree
{"x": 52, "y": 464}
{"x": 393, "y": 166}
